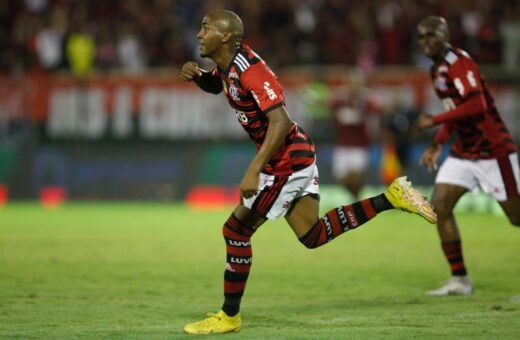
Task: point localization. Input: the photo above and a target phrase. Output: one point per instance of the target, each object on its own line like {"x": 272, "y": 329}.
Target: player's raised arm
{"x": 207, "y": 81}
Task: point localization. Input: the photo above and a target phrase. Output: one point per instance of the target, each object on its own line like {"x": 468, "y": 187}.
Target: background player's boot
{"x": 403, "y": 196}
{"x": 457, "y": 285}
{"x": 215, "y": 323}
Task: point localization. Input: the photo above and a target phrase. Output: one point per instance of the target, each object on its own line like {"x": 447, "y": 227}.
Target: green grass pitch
{"x": 143, "y": 270}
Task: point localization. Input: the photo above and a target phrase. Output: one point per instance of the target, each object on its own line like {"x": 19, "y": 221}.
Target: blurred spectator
{"x": 137, "y": 34}
{"x": 81, "y": 49}
{"x": 36, "y": 6}
{"x": 130, "y": 49}
{"x": 392, "y": 33}
{"x": 50, "y": 40}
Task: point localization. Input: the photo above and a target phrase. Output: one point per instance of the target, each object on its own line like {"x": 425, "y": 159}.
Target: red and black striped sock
{"x": 238, "y": 263}
{"x": 453, "y": 252}
{"x": 341, "y": 219}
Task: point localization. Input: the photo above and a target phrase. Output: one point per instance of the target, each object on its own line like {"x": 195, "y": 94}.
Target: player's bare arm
{"x": 279, "y": 124}
{"x": 205, "y": 80}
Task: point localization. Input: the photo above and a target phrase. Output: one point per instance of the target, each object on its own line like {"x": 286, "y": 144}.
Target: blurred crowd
{"x": 134, "y": 35}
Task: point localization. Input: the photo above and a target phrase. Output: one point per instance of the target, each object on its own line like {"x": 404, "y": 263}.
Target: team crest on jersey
{"x": 440, "y": 84}
{"x": 233, "y": 75}
{"x": 233, "y": 92}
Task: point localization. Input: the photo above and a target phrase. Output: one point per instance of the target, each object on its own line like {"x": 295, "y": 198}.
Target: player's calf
{"x": 342, "y": 219}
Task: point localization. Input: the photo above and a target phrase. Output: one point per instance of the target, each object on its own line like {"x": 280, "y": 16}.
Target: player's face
{"x": 210, "y": 38}
{"x": 431, "y": 39}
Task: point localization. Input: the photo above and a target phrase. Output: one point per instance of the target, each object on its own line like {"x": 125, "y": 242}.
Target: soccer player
{"x": 282, "y": 179}
{"x": 484, "y": 154}
{"x": 352, "y": 107}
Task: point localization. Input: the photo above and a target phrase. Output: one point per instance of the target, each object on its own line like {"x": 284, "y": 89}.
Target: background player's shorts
{"x": 277, "y": 193}
{"x": 348, "y": 159}
{"x": 499, "y": 177}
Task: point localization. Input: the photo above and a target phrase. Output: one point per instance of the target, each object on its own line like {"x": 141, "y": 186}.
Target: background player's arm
{"x": 279, "y": 124}
{"x": 207, "y": 81}
{"x": 432, "y": 153}
{"x": 474, "y": 105}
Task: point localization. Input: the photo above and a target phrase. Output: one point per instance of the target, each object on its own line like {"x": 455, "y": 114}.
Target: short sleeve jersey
{"x": 351, "y": 113}
{"x": 253, "y": 90}
{"x": 483, "y": 135}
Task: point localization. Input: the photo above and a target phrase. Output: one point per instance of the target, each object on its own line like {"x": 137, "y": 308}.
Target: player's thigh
{"x": 512, "y": 209}
{"x": 303, "y": 215}
{"x": 445, "y": 197}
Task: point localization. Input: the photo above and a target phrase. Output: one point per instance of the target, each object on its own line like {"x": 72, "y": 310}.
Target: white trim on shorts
{"x": 300, "y": 183}
{"x": 483, "y": 174}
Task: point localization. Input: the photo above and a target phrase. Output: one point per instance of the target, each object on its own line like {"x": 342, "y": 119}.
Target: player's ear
{"x": 227, "y": 37}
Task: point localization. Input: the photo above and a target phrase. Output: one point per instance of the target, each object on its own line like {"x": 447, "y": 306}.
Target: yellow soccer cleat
{"x": 403, "y": 196}
{"x": 215, "y": 323}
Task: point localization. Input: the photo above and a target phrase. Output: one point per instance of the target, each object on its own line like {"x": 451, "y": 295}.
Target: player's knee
{"x": 234, "y": 226}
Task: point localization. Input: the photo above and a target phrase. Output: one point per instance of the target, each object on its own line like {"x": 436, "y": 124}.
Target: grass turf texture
{"x": 133, "y": 270}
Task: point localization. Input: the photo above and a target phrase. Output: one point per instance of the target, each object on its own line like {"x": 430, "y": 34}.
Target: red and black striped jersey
{"x": 253, "y": 90}
{"x": 481, "y": 134}
{"x": 352, "y": 110}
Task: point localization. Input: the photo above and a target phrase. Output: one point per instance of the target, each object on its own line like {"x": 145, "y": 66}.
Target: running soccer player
{"x": 282, "y": 179}
{"x": 484, "y": 154}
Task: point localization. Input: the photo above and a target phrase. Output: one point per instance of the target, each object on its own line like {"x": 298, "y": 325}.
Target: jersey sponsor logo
{"x": 343, "y": 218}
{"x": 270, "y": 92}
{"x": 240, "y": 260}
{"x": 236, "y": 243}
{"x": 328, "y": 228}
{"x": 352, "y": 219}
{"x": 241, "y": 116}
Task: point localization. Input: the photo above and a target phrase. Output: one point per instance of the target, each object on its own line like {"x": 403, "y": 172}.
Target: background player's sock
{"x": 453, "y": 252}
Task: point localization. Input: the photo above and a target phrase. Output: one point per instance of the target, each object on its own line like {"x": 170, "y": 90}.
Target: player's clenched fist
{"x": 190, "y": 70}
